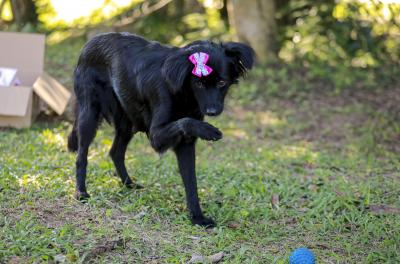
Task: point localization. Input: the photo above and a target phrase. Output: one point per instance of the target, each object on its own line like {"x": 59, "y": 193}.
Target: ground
{"x": 320, "y": 171}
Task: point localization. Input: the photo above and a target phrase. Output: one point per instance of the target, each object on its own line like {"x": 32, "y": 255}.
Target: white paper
{"x": 8, "y": 76}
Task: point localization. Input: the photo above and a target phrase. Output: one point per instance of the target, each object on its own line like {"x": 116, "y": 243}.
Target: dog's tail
{"x": 73, "y": 140}
{"x": 73, "y": 136}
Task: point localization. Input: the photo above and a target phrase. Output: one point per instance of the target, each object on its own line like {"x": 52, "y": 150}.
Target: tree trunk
{"x": 24, "y": 12}
{"x": 254, "y": 21}
{"x": 224, "y": 13}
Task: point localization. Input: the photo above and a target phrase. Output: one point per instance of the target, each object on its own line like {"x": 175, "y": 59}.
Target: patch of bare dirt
{"x": 57, "y": 212}
{"x": 17, "y": 260}
{"x": 333, "y": 119}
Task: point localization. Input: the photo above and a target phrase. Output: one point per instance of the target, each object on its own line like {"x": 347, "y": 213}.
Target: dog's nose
{"x": 212, "y": 111}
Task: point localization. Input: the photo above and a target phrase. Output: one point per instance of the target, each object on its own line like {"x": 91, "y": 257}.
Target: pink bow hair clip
{"x": 199, "y": 59}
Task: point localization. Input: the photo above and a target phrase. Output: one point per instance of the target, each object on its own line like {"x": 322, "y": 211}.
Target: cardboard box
{"x": 19, "y": 105}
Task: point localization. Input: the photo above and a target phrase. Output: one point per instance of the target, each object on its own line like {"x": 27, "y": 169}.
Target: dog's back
{"x": 114, "y": 71}
{"x": 104, "y": 47}
{"x": 106, "y": 63}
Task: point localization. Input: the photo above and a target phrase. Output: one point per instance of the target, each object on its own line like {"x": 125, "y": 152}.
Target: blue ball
{"x": 302, "y": 256}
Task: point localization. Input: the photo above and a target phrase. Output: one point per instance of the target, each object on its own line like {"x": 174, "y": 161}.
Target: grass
{"x": 331, "y": 160}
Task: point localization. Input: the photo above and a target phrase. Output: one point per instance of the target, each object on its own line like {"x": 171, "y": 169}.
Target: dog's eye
{"x": 221, "y": 84}
{"x": 200, "y": 84}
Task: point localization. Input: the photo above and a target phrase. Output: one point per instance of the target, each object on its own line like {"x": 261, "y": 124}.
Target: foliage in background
{"x": 332, "y": 39}
{"x": 350, "y": 32}
{"x": 322, "y": 40}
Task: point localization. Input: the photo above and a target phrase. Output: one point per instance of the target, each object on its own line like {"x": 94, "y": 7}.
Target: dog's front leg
{"x": 185, "y": 153}
{"x": 163, "y": 137}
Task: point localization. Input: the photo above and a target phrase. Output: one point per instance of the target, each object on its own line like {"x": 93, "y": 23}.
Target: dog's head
{"x": 218, "y": 67}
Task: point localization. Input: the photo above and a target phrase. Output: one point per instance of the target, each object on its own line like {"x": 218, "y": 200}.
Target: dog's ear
{"x": 242, "y": 57}
{"x": 175, "y": 70}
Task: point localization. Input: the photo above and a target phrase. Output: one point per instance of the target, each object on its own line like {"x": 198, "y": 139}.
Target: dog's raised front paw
{"x": 208, "y": 132}
{"x": 203, "y": 221}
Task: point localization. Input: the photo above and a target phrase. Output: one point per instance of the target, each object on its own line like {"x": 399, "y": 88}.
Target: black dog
{"x": 140, "y": 85}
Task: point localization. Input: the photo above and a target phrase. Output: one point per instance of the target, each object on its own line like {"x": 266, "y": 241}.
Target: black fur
{"x": 139, "y": 85}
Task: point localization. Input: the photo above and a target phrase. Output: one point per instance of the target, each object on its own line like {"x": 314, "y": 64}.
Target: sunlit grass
{"x": 69, "y": 11}
{"x": 53, "y": 138}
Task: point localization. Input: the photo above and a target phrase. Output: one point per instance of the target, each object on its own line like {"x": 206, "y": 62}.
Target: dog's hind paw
{"x": 204, "y": 221}
{"x": 81, "y": 196}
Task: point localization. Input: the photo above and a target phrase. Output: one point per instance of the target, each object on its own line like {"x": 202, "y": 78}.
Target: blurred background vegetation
{"x": 325, "y": 44}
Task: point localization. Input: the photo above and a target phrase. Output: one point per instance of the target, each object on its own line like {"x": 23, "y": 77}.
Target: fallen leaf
{"x": 197, "y": 259}
{"x": 340, "y": 194}
{"x": 233, "y": 225}
{"x": 107, "y": 246}
{"x": 290, "y": 221}
{"x": 383, "y": 208}
{"x": 216, "y": 257}
{"x": 139, "y": 215}
{"x": 302, "y": 210}
{"x": 275, "y": 201}
{"x": 17, "y": 260}
{"x": 206, "y": 259}
{"x": 335, "y": 168}
{"x": 60, "y": 258}
{"x": 322, "y": 246}
{"x": 211, "y": 231}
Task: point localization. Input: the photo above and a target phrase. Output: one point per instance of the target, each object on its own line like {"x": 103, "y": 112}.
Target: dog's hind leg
{"x": 123, "y": 135}
{"x": 87, "y": 123}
